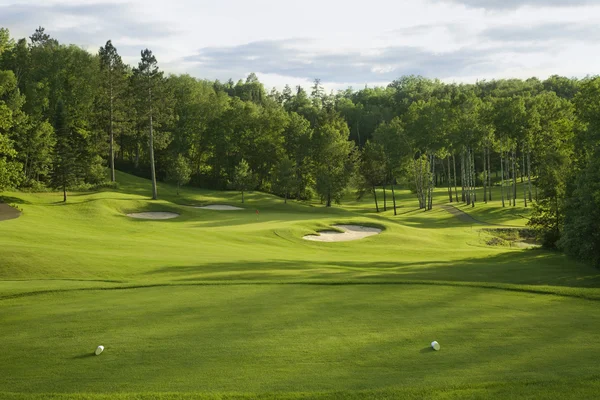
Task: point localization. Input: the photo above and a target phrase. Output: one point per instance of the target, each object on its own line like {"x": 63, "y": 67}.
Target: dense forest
{"x": 68, "y": 116}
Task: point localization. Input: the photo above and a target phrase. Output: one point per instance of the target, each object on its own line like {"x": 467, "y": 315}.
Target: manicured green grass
{"x": 220, "y": 305}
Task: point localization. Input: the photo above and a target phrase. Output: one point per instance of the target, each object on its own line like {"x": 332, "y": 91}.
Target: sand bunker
{"x": 351, "y": 232}
{"x": 220, "y": 207}
{"x": 154, "y": 215}
{"x": 7, "y": 212}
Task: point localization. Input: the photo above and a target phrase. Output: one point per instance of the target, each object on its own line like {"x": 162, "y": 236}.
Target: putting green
{"x": 237, "y": 305}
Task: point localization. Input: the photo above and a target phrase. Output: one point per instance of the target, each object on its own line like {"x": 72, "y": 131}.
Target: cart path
{"x": 463, "y": 216}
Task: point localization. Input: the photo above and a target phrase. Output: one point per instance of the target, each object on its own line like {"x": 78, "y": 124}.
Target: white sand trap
{"x": 220, "y": 207}
{"x": 154, "y": 215}
{"x": 351, "y": 232}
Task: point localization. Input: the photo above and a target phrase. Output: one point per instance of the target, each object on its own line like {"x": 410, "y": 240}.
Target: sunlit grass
{"x": 215, "y": 303}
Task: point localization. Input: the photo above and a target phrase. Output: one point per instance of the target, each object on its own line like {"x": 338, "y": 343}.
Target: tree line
{"x": 66, "y": 115}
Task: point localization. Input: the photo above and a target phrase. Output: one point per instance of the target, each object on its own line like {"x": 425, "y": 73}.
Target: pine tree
{"x": 148, "y": 77}
{"x": 114, "y": 84}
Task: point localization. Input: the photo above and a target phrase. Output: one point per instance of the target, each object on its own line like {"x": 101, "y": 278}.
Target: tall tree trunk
{"x": 448, "y": 178}
{"x": 64, "y": 182}
{"x": 121, "y": 151}
{"x": 529, "y": 173}
{"x": 489, "y": 174}
{"x": 112, "y": 137}
{"x": 432, "y": 182}
{"x": 416, "y": 178}
{"x": 421, "y": 185}
{"x": 384, "y": 199}
{"x": 502, "y": 179}
{"x": 242, "y": 197}
{"x": 136, "y": 162}
{"x": 469, "y": 178}
{"x": 509, "y": 179}
{"x": 394, "y": 195}
{"x": 375, "y": 196}
{"x": 484, "y": 176}
{"x": 523, "y": 180}
{"x": 455, "y": 179}
{"x": 329, "y": 198}
{"x": 152, "y": 167}
{"x": 474, "y": 180}
{"x": 514, "y": 162}
{"x": 462, "y": 176}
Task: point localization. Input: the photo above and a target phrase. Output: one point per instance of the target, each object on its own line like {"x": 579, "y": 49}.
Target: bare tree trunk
{"x": 522, "y": 180}
{"x": 64, "y": 182}
{"x": 152, "y": 167}
{"x": 455, "y": 179}
{"x": 467, "y": 175}
{"x": 432, "y": 182}
{"x": 416, "y": 178}
{"x": 449, "y": 180}
{"x": 394, "y": 196}
{"x": 473, "y": 177}
{"x": 121, "y": 151}
{"x": 514, "y": 163}
{"x": 509, "y": 179}
{"x": 375, "y": 196}
{"x": 529, "y": 173}
{"x": 463, "y": 176}
{"x": 474, "y": 180}
{"x": 484, "y": 176}
{"x": 469, "y": 178}
{"x": 384, "y": 199}
{"x": 489, "y": 173}
{"x": 502, "y": 180}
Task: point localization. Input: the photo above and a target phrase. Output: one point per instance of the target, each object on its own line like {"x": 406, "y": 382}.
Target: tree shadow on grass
{"x": 527, "y": 267}
{"x": 13, "y": 200}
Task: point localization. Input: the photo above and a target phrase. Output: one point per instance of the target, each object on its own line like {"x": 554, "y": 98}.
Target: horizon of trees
{"x": 67, "y": 115}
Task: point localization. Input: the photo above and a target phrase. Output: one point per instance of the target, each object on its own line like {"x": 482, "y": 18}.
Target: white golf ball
{"x": 99, "y": 350}
{"x": 435, "y": 345}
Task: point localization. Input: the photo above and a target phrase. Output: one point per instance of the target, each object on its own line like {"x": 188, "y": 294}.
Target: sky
{"x": 345, "y": 43}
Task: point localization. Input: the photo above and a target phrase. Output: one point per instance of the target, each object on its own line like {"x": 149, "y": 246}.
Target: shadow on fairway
{"x": 83, "y": 356}
{"x": 526, "y": 267}
{"x": 13, "y": 200}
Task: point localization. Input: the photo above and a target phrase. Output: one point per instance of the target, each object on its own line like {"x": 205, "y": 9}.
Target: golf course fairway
{"x": 237, "y": 305}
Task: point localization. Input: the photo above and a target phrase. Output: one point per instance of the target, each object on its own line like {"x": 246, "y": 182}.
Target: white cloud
{"x": 345, "y": 43}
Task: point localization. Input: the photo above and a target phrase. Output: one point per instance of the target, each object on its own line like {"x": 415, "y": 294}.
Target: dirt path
{"x": 7, "y": 212}
{"x": 462, "y": 216}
